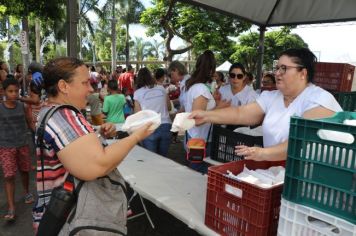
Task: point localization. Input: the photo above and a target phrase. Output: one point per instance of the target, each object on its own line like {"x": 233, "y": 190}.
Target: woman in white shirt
{"x": 237, "y": 90}
{"x": 295, "y": 95}
{"x": 198, "y": 97}
{"x": 150, "y": 96}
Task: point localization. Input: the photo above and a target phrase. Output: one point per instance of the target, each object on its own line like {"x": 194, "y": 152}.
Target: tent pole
{"x": 72, "y": 21}
{"x": 261, "y": 50}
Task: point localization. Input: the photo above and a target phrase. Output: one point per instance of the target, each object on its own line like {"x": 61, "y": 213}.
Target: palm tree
{"x": 129, "y": 13}
{"x": 86, "y": 6}
{"x": 140, "y": 51}
{"x": 156, "y": 49}
{"x": 109, "y": 11}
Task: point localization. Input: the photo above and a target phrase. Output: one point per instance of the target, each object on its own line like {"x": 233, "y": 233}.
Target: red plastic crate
{"x": 334, "y": 77}
{"x": 238, "y": 208}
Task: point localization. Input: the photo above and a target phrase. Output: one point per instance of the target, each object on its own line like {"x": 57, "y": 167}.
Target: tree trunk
{"x": 170, "y": 54}
{"x": 113, "y": 38}
{"x": 38, "y": 39}
{"x": 11, "y": 61}
{"x": 25, "y": 53}
{"x": 72, "y": 23}
{"x": 94, "y": 57}
{"x": 261, "y": 50}
{"x": 127, "y": 46}
{"x": 171, "y": 33}
{"x": 80, "y": 38}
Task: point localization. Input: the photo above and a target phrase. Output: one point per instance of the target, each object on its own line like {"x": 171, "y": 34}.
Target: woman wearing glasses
{"x": 237, "y": 90}
{"x": 295, "y": 95}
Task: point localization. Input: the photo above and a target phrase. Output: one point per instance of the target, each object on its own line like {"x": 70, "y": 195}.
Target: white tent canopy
{"x": 283, "y": 12}
{"x": 224, "y": 67}
{"x": 266, "y": 13}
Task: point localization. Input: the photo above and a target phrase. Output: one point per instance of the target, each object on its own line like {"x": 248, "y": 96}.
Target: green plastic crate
{"x": 347, "y": 100}
{"x": 321, "y": 173}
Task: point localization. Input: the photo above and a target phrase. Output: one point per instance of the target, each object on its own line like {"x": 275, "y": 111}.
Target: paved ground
{"x": 164, "y": 222}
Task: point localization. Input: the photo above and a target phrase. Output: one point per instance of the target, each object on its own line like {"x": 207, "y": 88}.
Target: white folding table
{"x": 170, "y": 186}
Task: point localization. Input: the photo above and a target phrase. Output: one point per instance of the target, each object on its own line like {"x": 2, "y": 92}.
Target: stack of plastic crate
{"x": 238, "y": 208}
{"x": 334, "y": 77}
{"x": 319, "y": 195}
{"x": 347, "y": 100}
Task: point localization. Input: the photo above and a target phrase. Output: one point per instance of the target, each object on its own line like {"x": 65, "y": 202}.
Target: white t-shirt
{"x": 276, "y": 122}
{"x": 182, "y": 95}
{"x": 154, "y": 99}
{"x": 245, "y": 96}
{"x": 194, "y": 92}
{"x": 226, "y": 93}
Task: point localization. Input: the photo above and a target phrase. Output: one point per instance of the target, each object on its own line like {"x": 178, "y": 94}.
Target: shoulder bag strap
{"x": 40, "y": 134}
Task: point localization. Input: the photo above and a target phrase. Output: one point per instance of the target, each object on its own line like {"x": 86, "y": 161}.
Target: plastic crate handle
{"x": 335, "y": 136}
{"x": 328, "y": 230}
{"x": 237, "y": 192}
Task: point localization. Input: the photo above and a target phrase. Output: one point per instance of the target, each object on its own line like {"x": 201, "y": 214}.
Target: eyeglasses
{"x": 233, "y": 76}
{"x": 283, "y": 68}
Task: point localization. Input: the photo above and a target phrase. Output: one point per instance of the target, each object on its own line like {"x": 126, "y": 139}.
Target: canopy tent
{"x": 224, "y": 67}
{"x": 269, "y": 13}
{"x": 283, "y": 12}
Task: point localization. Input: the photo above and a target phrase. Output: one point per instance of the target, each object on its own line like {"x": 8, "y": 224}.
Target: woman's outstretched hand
{"x": 199, "y": 116}
{"x": 143, "y": 132}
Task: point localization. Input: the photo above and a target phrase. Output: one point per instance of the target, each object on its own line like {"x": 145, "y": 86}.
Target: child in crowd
{"x": 114, "y": 103}
{"x": 94, "y": 101}
{"x": 268, "y": 82}
{"x": 173, "y": 94}
{"x": 35, "y": 99}
{"x": 14, "y": 150}
{"x": 129, "y": 105}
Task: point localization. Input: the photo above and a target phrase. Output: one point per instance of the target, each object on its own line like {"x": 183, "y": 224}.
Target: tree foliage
{"x": 201, "y": 29}
{"x": 127, "y": 12}
{"x": 130, "y": 13}
{"x": 156, "y": 49}
{"x": 140, "y": 50}
{"x": 102, "y": 41}
{"x": 246, "y": 51}
{"x": 44, "y": 9}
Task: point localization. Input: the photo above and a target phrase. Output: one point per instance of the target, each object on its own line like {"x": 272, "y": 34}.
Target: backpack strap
{"x": 40, "y": 134}
{"x": 76, "y": 193}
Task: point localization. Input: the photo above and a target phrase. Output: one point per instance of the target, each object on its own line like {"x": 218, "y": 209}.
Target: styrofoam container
{"x": 135, "y": 121}
{"x": 299, "y": 220}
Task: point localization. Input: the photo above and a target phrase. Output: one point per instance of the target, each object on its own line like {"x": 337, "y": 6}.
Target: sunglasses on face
{"x": 233, "y": 76}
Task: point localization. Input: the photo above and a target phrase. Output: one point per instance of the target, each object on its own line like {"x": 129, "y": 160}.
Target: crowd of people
{"x": 208, "y": 95}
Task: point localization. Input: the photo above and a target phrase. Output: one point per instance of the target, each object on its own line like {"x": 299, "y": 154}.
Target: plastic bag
{"x": 182, "y": 123}
{"x": 135, "y": 121}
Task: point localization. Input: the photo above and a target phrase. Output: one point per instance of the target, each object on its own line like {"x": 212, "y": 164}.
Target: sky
{"x": 331, "y": 42}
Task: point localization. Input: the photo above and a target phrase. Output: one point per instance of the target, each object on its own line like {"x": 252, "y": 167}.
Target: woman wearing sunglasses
{"x": 237, "y": 91}
{"x": 295, "y": 95}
